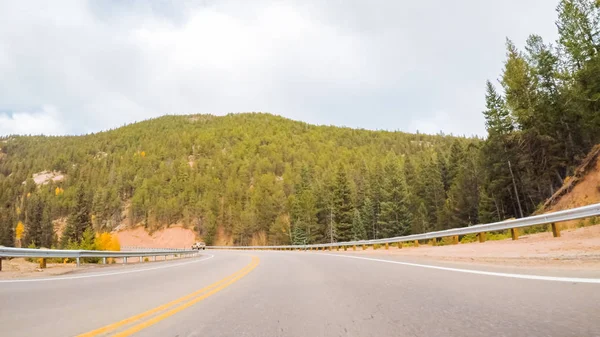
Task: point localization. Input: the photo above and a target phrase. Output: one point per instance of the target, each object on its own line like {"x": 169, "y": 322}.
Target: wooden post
{"x": 416, "y": 243}
{"x": 345, "y": 248}
{"x": 42, "y": 263}
{"x": 337, "y": 248}
{"x": 375, "y": 246}
{"x": 364, "y": 247}
{"x": 555, "y": 230}
{"x": 514, "y": 233}
{"x": 399, "y": 245}
{"x": 387, "y": 246}
{"x": 455, "y": 240}
{"x": 481, "y": 237}
{"x": 353, "y": 247}
{"x": 0, "y": 264}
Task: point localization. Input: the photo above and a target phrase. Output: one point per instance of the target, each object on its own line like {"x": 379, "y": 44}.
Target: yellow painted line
{"x": 186, "y": 305}
{"x": 132, "y": 319}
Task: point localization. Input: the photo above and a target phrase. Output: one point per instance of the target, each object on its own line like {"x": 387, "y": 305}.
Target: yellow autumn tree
{"x": 19, "y": 230}
{"x": 106, "y": 241}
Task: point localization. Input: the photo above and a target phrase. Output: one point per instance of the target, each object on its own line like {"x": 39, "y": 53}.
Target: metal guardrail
{"x": 543, "y": 219}
{"x": 79, "y": 254}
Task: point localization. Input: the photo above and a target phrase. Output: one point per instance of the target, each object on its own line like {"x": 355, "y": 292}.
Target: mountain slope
{"x": 256, "y": 176}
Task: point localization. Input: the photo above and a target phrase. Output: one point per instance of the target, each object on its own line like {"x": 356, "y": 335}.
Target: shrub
{"x": 468, "y": 238}
{"x": 536, "y": 229}
{"x": 499, "y": 235}
{"x": 30, "y": 259}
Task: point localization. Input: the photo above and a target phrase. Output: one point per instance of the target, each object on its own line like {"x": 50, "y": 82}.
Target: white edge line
{"x": 210, "y": 256}
{"x": 480, "y": 272}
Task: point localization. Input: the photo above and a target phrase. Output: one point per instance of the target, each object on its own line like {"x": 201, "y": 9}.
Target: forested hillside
{"x": 252, "y": 174}
{"x": 266, "y": 179}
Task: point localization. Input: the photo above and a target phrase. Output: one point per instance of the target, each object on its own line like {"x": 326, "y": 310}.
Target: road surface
{"x": 230, "y": 293}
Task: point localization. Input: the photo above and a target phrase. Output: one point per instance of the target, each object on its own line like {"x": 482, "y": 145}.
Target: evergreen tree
{"x": 394, "y": 219}
{"x": 497, "y": 118}
{"x": 79, "y": 220}
{"x": 342, "y": 206}
{"x": 369, "y": 219}
{"x": 421, "y": 221}
{"x": 432, "y": 192}
{"x": 358, "y": 227}
{"x": 34, "y": 221}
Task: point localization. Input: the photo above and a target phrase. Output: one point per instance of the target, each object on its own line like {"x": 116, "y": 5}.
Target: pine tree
{"x": 395, "y": 219}
{"x": 298, "y": 236}
{"x": 34, "y": 220}
{"x": 420, "y": 222}
{"x": 431, "y": 192}
{"x": 461, "y": 207}
{"x": 497, "y": 118}
{"x": 358, "y": 227}
{"x": 79, "y": 220}
{"x": 367, "y": 213}
{"x": 342, "y": 206}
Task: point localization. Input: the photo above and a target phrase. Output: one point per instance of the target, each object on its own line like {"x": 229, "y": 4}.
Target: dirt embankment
{"x": 576, "y": 248}
{"x": 171, "y": 237}
{"x": 19, "y": 267}
{"x": 583, "y": 188}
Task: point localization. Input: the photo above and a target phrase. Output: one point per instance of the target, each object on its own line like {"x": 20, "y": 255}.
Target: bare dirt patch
{"x": 576, "y": 248}
{"x": 171, "y": 237}
{"x": 19, "y": 267}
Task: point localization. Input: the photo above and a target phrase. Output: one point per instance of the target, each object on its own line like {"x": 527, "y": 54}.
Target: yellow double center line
{"x": 172, "y": 307}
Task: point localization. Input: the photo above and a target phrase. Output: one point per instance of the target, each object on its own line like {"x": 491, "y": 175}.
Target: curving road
{"x": 229, "y": 293}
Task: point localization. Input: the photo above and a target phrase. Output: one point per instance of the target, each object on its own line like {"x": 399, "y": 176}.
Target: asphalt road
{"x": 227, "y": 293}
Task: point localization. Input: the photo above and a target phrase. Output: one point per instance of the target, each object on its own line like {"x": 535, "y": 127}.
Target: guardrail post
{"x": 375, "y": 246}
{"x": 364, "y": 247}
{"x": 481, "y": 237}
{"x": 42, "y": 263}
{"x": 154, "y": 258}
{"x": 345, "y": 248}
{"x": 0, "y": 264}
{"x": 399, "y": 245}
{"x": 125, "y": 260}
{"x": 514, "y": 233}
{"x": 78, "y": 262}
{"x": 353, "y": 247}
{"x": 141, "y": 259}
{"x": 104, "y": 260}
{"x": 416, "y": 243}
{"x": 387, "y": 246}
{"x": 455, "y": 240}
{"x": 337, "y": 248}
{"x": 329, "y": 248}
{"x": 555, "y": 230}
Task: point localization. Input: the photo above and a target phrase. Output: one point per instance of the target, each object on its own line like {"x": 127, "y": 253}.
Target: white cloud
{"x": 47, "y": 121}
{"x": 389, "y": 65}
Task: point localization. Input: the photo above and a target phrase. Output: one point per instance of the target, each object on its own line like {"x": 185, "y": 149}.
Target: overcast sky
{"x": 73, "y": 67}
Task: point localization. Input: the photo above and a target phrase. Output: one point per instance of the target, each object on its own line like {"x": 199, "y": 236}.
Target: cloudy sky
{"x": 73, "y": 67}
